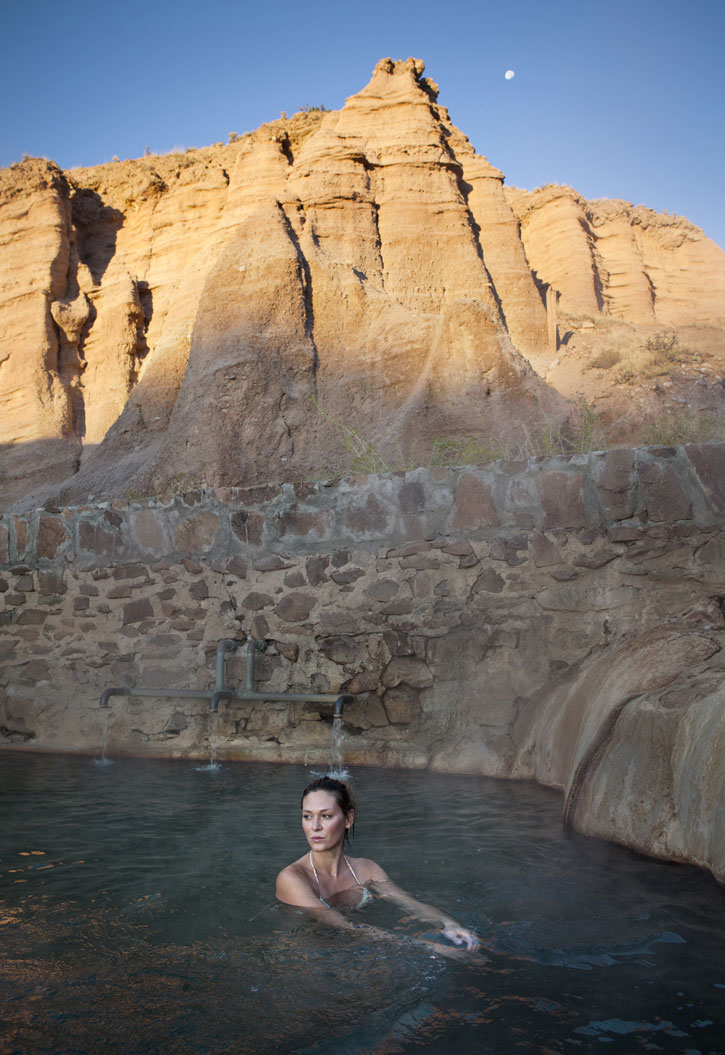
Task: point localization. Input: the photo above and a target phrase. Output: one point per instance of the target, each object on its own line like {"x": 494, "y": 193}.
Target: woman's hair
{"x": 339, "y": 791}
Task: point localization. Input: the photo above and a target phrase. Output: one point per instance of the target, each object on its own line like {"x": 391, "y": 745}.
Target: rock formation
{"x": 36, "y": 383}
{"x": 609, "y": 257}
{"x": 201, "y": 323}
{"x": 178, "y": 319}
{"x": 634, "y": 738}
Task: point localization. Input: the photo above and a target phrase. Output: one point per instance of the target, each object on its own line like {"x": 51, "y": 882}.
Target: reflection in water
{"x": 137, "y": 915}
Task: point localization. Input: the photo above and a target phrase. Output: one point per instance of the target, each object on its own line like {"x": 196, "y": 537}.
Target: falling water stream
{"x": 337, "y": 769}
{"x": 212, "y": 764}
{"x": 104, "y": 760}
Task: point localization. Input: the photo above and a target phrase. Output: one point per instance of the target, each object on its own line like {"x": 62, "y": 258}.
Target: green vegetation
{"x": 364, "y": 457}
{"x": 582, "y": 434}
{"x": 606, "y": 359}
{"x": 448, "y": 452}
{"x": 587, "y": 432}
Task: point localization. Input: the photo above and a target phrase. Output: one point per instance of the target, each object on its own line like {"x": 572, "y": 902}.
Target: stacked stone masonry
{"x": 457, "y": 605}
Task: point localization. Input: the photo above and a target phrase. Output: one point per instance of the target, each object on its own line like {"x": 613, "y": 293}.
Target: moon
{"x": 509, "y": 75}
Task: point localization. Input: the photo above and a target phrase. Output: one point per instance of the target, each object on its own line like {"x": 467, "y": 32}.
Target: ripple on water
{"x": 160, "y": 893}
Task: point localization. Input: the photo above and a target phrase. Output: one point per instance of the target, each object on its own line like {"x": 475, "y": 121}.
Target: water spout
{"x": 104, "y": 760}
{"x": 340, "y": 702}
{"x": 107, "y": 693}
{"x": 338, "y": 739}
{"x": 221, "y": 694}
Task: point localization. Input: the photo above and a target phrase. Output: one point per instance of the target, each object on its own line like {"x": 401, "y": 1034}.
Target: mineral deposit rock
{"x": 634, "y": 737}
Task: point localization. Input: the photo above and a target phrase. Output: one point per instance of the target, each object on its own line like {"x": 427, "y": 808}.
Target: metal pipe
{"x": 220, "y": 692}
{"x": 187, "y": 694}
{"x": 340, "y": 702}
{"x": 227, "y": 694}
{"x": 107, "y": 693}
{"x": 226, "y": 645}
{"x": 282, "y": 697}
{"x": 253, "y": 645}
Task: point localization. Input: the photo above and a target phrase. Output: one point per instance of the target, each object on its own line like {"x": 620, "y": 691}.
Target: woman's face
{"x": 323, "y": 821}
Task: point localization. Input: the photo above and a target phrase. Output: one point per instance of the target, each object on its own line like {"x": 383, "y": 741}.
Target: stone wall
{"x": 442, "y": 599}
{"x": 493, "y": 620}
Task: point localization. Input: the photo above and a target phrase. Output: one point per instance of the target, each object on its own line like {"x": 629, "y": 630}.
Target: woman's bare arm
{"x": 294, "y": 889}
{"x": 386, "y": 888}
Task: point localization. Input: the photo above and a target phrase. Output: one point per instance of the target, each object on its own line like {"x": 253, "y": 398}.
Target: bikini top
{"x": 365, "y": 897}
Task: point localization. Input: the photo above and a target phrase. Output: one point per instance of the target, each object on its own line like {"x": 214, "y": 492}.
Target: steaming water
{"x": 137, "y": 915}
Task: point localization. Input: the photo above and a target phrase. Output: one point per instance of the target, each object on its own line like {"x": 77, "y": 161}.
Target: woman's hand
{"x": 461, "y": 936}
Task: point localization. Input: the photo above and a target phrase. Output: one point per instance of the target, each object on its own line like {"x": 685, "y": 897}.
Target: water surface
{"x": 137, "y": 915}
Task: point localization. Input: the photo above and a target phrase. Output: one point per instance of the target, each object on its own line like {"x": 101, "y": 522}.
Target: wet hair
{"x": 339, "y": 791}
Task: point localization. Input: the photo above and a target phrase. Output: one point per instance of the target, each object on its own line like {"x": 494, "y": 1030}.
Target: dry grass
{"x": 640, "y": 360}
{"x": 673, "y": 429}
{"x": 660, "y": 355}
{"x": 582, "y": 434}
{"x": 606, "y": 359}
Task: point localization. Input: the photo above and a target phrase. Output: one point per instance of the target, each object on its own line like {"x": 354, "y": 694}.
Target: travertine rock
{"x": 635, "y": 739}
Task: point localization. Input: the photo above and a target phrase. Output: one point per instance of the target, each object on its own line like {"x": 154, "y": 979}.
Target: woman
{"x": 324, "y": 879}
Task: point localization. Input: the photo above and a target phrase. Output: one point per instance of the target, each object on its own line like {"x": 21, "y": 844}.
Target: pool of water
{"x": 137, "y": 915}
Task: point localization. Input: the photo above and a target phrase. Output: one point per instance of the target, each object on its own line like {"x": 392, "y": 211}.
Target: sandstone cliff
{"x": 610, "y": 257}
{"x": 176, "y": 320}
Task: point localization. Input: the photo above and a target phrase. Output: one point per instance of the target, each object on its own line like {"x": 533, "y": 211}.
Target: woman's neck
{"x": 328, "y": 861}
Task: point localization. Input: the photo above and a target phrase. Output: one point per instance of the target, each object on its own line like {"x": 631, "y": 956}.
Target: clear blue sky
{"x": 617, "y": 99}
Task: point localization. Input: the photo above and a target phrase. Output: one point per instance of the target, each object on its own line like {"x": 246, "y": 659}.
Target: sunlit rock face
{"x": 364, "y": 260}
{"x": 217, "y": 319}
{"x": 626, "y": 261}
{"x": 36, "y": 363}
{"x": 182, "y": 318}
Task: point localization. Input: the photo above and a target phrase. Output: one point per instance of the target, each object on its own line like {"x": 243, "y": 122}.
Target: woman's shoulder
{"x": 297, "y": 867}
{"x": 366, "y": 870}
{"x": 295, "y": 870}
{"x": 293, "y": 885}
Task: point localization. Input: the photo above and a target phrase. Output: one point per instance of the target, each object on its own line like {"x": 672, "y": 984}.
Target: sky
{"x": 616, "y": 99}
